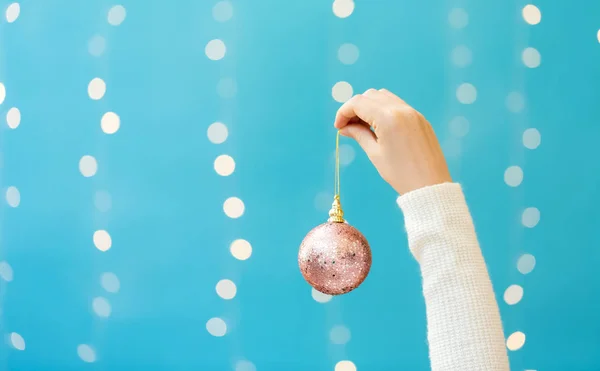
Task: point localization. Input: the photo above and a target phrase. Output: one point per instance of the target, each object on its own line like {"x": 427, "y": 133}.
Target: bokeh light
{"x": 339, "y": 335}
{"x": 110, "y": 123}
{"x": 13, "y": 196}
{"x": 6, "y": 271}
{"x": 530, "y": 217}
{"x": 345, "y": 366}
{"x": 531, "y": 57}
{"x": 319, "y": 297}
{"x": 341, "y": 91}
{"x": 526, "y": 263}
{"x": 12, "y": 12}
{"x": 110, "y": 282}
{"x": 224, "y": 165}
{"x": 102, "y": 240}
{"x": 458, "y": 18}
{"x": 217, "y": 133}
{"x": 215, "y": 49}
{"x": 88, "y": 166}
{"x": 513, "y": 294}
{"x": 532, "y": 14}
{"x": 343, "y": 8}
{"x": 513, "y": 176}
{"x": 226, "y": 289}
{"x": 216, "y": 327}
{"x": 466, "y": 93}
{"x": 86, "y": 353}
{"x": 222, "y": 11}
{"x": 13, "y": 118}
{"x": 116, "y": 15}
{"x": 101, "y": 307}
{"x": 96, "y": 88}
{"x": 234, "y": 207}
{"x": 241, "y": 249}
{"x": 348, "y": 53}
{"x": 515, "y": 341}
{"x": 532, "y": 138}
{"x": 17, "y": 341}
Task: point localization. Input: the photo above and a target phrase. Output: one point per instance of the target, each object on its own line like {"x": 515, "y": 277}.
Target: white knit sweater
{"x": 464, "y": 329}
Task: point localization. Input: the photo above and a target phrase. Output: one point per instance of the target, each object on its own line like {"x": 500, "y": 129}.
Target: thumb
{"x": 362, "y": 135}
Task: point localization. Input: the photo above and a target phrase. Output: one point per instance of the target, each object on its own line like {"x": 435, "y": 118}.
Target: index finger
{"x": 358, "y": 106}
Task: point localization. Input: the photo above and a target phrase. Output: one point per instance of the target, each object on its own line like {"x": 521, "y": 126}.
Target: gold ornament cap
{"x": 336, "y": 214}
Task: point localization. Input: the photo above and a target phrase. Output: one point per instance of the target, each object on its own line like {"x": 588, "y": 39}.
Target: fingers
{"x": 365, "y": 107}
{"x": 359, "y": 106}
{"x": 362, "y": 134}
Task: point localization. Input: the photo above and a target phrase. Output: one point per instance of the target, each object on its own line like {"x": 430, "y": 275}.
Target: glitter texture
{"x": 334, "y": 258}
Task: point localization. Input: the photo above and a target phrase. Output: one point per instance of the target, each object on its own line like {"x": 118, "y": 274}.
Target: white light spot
{"x": 530, "y": 217}
{"x": 215, "y": 49}
{"x": 513, "y": 176}
{"x": 461, "y": 56}
{"x": 532, "y": 138}
{"x": 241, "y": 249}
{"x": 101, "y": 307}
{"x": 348, "y": 53}
{"x": 13, "y": 196}
{"x": 17, "y": 341}
{"x": 515, "y": 341}
{"x": 323, "y": 201}
{"x": 341, "y": 91}
{"x": 13, "y": 118}
{"x": 459, "y": 126}
{"x": 339, "y": 335}
{"x": 245, "y": 366}
{"x": 6, "y": 271}
{"x": 12, "y": 12}
{"x": 466, "y": 93}
{"x": 86, "y": 353}
{"x": 320, "y": 297}
{"x": 343, "y": 8}
{"x": 102, "y": 240}
{"x": 96, "y": 88}
{"x": 513, "y": 294}
{"x": 226, "y": 289}
{"x": 2, "y": 93}
{"x": 110, "y": 123}
{"x": 102, "y": 201}
{"x": 458, "y": 18}
{"x": 532, "y": 14}
{"x": 598, "y": 36}
{"x": 222, "y": 11}
{"x": 224, "y": 165}
{"x": 233, "y": 207}
{"x": 526, "y": 263}
{"x": 217, "y": 133}
{"x": 216, "y": 327}
{"x": 88, "y": 166}
{"x": 226, "y": 88}
{"x": 345, "y": 366}
{"x": 110, "y": 282}
{"x": 531, "y": 58}
{"x": 347, "y": 154}
{"x": 116, "y": 15}
{"x": 97, "y": 45}
{"x": 515, "y": 102}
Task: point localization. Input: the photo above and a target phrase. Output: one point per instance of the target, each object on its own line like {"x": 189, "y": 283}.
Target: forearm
{"x": 464, "y": 326}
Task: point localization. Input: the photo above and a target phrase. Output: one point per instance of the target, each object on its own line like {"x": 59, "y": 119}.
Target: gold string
{"x": 336, "y": 183}
{"x": 336, "y": 214}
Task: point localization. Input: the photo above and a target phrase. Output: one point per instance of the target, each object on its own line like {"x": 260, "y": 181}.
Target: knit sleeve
{"x": 464, "y": 329}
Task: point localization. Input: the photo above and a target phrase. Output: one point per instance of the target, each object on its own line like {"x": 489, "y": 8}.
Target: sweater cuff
{"x": 434, "y": 210}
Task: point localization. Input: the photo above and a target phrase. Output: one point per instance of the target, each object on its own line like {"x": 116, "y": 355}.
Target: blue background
{"x": 171, "y": 237}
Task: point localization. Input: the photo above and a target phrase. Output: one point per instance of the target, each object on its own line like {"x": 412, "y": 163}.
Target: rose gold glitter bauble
{"x": 334, "y": 258}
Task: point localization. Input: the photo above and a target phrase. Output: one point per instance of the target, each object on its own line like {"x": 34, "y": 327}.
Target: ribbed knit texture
{"x": 464, "y": 329}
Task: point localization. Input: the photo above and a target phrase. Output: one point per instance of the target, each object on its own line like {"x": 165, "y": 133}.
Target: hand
{"x": 398, "y": 140}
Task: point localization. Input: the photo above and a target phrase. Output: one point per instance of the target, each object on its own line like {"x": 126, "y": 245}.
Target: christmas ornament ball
{"x": 334, "y": 258}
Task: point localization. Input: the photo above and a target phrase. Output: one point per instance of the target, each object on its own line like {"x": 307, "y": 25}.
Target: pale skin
{"x": 397, "y": 139}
